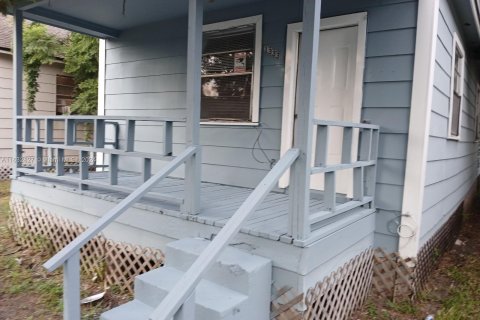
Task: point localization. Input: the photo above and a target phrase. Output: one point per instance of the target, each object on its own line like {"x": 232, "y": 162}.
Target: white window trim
{"x": 255, "y": 107}
{"x": 457, "y": 45}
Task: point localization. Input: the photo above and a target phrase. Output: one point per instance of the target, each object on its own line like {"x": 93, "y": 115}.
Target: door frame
{"x": 290, "y": 80}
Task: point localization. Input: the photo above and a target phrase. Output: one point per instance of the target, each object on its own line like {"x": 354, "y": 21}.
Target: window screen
{"x": 227, "y": 74}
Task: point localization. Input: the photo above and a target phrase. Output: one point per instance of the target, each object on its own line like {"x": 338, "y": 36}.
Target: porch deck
{"x": 218, "y": 202}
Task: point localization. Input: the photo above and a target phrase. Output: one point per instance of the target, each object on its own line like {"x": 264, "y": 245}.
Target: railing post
{"x": 192, "y": 126}
{"x": 17, "y": 90}
{"x": 187, "y": 310}
{"x": 299, "y": 224}
{"x": 71, "y": 288}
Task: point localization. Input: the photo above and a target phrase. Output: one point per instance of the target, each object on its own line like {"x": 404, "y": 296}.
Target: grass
{"x": 26, "y": 290}
{"x": 453, "y": 292}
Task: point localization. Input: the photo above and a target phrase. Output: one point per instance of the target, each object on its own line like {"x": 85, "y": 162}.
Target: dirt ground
{"x": 453, "y": 292}
{"x": 27, "y": 291}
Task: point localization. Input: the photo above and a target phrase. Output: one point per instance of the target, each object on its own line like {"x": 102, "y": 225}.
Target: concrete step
{"x": 212, "y": 300}
{"x": 237, "y": 287}
{"x": 128, "y": 311}
{"x": 234, "y": 269}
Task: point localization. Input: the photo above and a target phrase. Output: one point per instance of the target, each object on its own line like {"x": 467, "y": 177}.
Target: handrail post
{"x": 71, "y": 288}
{"x": 192, "y": 126}
{"x": 305, "y": 105}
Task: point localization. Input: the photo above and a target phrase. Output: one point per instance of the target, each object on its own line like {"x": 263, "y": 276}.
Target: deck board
{"x": 218, "y": 202}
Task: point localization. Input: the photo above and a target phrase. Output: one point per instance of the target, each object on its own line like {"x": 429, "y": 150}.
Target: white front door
{"x": 339, "y": 87}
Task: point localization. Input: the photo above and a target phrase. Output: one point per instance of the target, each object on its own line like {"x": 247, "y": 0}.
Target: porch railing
{"x": 179, "y": 304}
{"x": 69, "y": 256}
{"x": 38, "y": 133}
{"x": 366, "y": 138}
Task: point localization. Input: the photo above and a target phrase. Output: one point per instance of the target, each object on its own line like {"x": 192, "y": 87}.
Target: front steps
{"x": 237, "y": 286}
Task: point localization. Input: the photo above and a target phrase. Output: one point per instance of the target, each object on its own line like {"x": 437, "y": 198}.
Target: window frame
{"x": 457, "y": 48}
{"x": 255, "y": 102}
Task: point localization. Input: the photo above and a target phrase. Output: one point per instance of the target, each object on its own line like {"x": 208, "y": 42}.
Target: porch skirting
{"x": 5, "y": 173}
{"x": 116, "y": 263}
{"x": 341, "y": 293}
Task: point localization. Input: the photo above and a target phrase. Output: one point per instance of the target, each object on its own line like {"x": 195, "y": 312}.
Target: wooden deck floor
{"x": 218, "y": 202}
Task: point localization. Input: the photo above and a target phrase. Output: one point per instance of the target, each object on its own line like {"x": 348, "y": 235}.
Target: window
{"x": 64, "y": 97}
{"x": 456, "y": 96}
{"x": 231, "y": 71}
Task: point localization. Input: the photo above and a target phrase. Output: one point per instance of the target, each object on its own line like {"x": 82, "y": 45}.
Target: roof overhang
{"x": 108, "y": 18}
{"x": 468, "y": 15}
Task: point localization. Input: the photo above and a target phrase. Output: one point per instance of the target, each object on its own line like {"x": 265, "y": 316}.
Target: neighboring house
{"x": 54, "y": 95}
{"x": 386, "y": 93}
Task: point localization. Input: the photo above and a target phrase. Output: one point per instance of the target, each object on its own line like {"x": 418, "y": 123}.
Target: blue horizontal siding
{"x": 451, "y": 165}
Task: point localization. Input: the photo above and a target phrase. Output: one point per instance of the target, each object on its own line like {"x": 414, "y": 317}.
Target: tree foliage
{"x": 81, "y": 61}
{"x": 39, "y": 48}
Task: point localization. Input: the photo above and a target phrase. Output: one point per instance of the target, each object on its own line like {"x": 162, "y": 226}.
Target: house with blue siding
{"x": 263, "y": 146}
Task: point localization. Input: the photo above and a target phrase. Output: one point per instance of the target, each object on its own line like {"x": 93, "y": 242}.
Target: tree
{"x": 81, "y": 61}
{"x": 39, "y": 48}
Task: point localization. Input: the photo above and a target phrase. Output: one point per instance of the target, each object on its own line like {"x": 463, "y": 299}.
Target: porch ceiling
{"x": 107, "y": 18}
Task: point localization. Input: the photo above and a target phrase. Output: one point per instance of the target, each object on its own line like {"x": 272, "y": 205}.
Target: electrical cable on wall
{"x": 269, "y": 161}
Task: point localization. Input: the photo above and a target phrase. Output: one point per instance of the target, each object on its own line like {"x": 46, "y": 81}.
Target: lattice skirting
{"x": 5, "y": 173}
{"x": 399, "y": 279}
{"x": 346, "y": 289}
{"x": 117, "y": 263}
{"x": 436, "y": 246}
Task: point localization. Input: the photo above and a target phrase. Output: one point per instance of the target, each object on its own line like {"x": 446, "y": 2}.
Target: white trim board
{"x": 102, "y": 52}
{"x": 291, "y": 58}
{"x": 456, "y": 44}
{"x": 419, "y": 128}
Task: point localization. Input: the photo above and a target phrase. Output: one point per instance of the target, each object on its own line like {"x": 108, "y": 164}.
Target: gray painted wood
{"x": 228, "y": 160}
{"x": 451, "y": 165}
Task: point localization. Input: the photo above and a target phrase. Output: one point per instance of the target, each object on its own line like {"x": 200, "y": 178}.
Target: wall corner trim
{"x": 419, "y": 128}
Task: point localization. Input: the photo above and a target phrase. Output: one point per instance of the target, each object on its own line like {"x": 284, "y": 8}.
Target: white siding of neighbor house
{"x": 145, "y": 75}
{"x": 451, "y": 165}
{"x": 45, "y": 100}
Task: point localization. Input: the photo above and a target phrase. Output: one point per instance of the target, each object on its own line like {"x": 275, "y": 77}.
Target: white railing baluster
{"x": 60, "y": 164}
{"x": 347, "y": 145}
{"x": 69, "y": 131}
{"x": 99, "y": 133}
{"x": 71, "y": 287}
{"x": 130, "y": 136}
{"x": 49, "y": 131}
{"x": 38, "y": 159}
{"x": 84, "y": 164}
{"x": 28, "y": 130}
{"x": 38, "y": 130}
{"x": 330, "y": 190}
{"x": 113, "y": 172}
{"x": 147, "y": 169}
{"x": 358, "y": 184}
{"x": 321, "y": 149}
{"x": 168, "y": 138}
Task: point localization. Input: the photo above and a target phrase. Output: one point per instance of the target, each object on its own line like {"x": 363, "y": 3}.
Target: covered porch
{"x": 170, "y": 180}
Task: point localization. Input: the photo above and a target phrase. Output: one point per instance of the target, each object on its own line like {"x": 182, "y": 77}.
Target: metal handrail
{"x": 184, "y": 289}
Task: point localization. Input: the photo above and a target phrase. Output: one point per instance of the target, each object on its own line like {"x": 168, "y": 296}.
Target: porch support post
{"x": 194, "y": 58}
{"x": 305, "y": 103}
{"x": 17, "y": 89}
